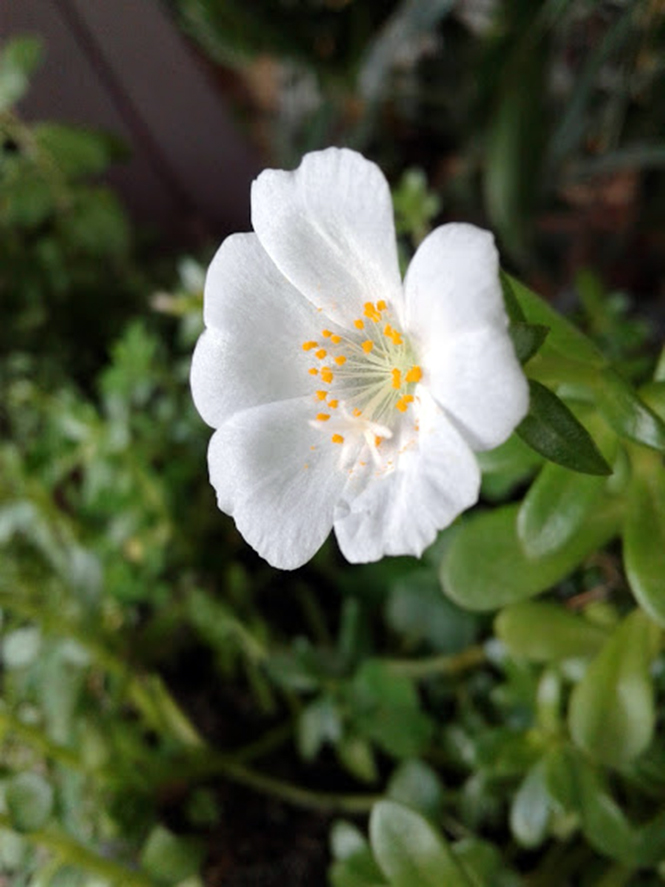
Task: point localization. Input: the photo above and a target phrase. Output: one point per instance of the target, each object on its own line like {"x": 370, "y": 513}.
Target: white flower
{"x": 342, "y": 397}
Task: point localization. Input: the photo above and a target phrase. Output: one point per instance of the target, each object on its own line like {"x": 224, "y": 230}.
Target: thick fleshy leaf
{"x": 545, "y": 632}
{"x": 452, "y": 286}
{"x": 410, "y": 851}
{"x": 553, "y": 431}
{"x": 329, "y": 228}
{"x": 402, "y": 511}
{"x": 563, "y": 336}
{"x": 485, "y": 566}
{"x": 257, "y": 323}
{"x": 531, "y": 808}
{"x": 627, "y": 413}
{"x": 29, "y": 800}
{"x": 555, "y": 507}
{"x": 477, "y": 379}
{"x": 279, "y": 478}
{"x": 611, "y": 714}
{"x": 644, "y": 541}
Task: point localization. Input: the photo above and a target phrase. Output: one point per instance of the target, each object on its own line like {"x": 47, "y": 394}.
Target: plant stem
{"x": 76, "y": 854}
{"x": 434, "y": 666}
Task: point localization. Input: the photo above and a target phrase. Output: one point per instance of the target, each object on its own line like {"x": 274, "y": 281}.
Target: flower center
{"x": 364, "y": 379}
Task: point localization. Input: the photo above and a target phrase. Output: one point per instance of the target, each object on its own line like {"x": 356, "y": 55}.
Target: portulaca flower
{"x": 341, "y": 396}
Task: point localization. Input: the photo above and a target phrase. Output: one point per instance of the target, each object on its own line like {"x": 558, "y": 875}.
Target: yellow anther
{"x": 367, "y": 346}
{"x": 326, "y": 375}
{"x": 322, "y": 417}
{"x": 381, "y": 305}
{"x": 326, "y": 334}
{"x": 403, "y": 403}
{"x": 307, "y": 346}
{"x": 321, "y": 395}
{"x": 378, "y": 441}
{"x": 397, "y": 378}
{"x": 314, "y": 372}
{"x": 335, "y": 339}
{"x": 388, "y": 331}
{"x": 340, "y": 360}
{"x": 371, "y": 312}
{"x": 397, "y": 339}
{"x": 415, "y": 374}
{"x": 333, "y": 404}
{"x": 357, "y": 413}
{"x": 359, "y": 324}
{"x": 337, "y": 438}
{"x": 321, "y": 353}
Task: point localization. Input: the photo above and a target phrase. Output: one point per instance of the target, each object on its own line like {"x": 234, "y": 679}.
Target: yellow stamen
{"x": 321, "y": 395}
{"x": 333, "y": 404}
{"x": 415, "y": 374}
{"x": 321, "y": 353}
{"x": 314, "y": 372}
{"x": 326, "y": 375}
{"x": 397, "y": 378}
{"x": 371, "y": 312}
{"x": 307, "y": 346}
{"x": 367, "y": 346}
{"x": 378, "y": 441}
{"x": 359, "y": 324}
{"x": 388, "y": 331}
{"x": 397, "y": 339}
{"x": 357, "y": 413}
{"x": 403, "y": 403}
{"x": 337, "y": 438}
{"x": 341, "y": 360}
{"x": 322, "y": 417}
{"x": 335, "y": 339}
{"x": 326, "y": 334}
{"x": 381, "y": 305}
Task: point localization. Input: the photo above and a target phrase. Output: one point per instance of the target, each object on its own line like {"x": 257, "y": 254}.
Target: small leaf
{"x": 417, "y": 785}
{"x": 485, "y": 566}
{"x": 563, "y": 337}
{"x": 410, "y": 851}
{"x": 531, "y": 808}
{"x": 168, "y": 858}
{"x": 555, "y": 507}
{"x": 627, "y": 413}
{"x": 19, "y": 57}
{"x": 77, "y": 152}
{"x": 553, "y": 431}
{"x": 29, "y": 799}
{"x": 541, "y": 631}
{"x": 644, "y": 541}
{"x": 611, "y": 714}
{"x": 513, "y": 307}
{"x": 527, "y": 339}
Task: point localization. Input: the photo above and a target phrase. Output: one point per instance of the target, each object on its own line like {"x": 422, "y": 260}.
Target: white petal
{"x": 279, "y": 478}
{"x": 452, "y": 285}
{"x": 251, "y": 352}
{"x": 478, "y": 380}
{"x": 329, "y": 228}
{"x": 402, "y": 511}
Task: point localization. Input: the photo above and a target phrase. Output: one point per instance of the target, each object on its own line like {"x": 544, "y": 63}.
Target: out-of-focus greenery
{"x": 149, "y": 662}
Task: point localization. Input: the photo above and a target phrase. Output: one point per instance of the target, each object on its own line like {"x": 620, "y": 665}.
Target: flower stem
{"x": 76, "y": 854}
{"x": 434, "y": 666}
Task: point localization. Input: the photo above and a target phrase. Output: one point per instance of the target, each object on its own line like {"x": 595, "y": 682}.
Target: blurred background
{"x": 142, "y": 642}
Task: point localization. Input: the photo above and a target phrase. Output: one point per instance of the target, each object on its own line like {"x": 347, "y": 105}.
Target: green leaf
{"x": 19, "y": 57}
{"x": 553, "y": 431}
{"x": 417, "y": 785}
{"x": 541, "y": 631}
{"x": 527, "y": 339}
{"x": 563, "y": 336}
{"x": 410, "y": 851}
{"x": 29, "y": 799}
{"x": 168, "y": 858}
{"x": 611, "y": 714}
{"x": 644, "y": 541}
{"x": 354, "y": 863}
{"x": 531, "y": 808}
{"x": 513, "y": 307}
{"x": 319, "y": 723}
{"x": 77, "y": 152}
{"x": 485, "y": 566}
{"x": 627, "y": 413}
{"x": 555, "y": 507}
{"x": 506, "y": 467}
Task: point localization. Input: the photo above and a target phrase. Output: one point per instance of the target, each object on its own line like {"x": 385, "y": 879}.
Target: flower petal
{"x": 329, "y": 228}
{"x": 402, "y": 511}
{"x": 479, "y": 382}
{"x": 279, "y": 478}
{"x": 452, "y": 285}
{"x": 251, "y": 352}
